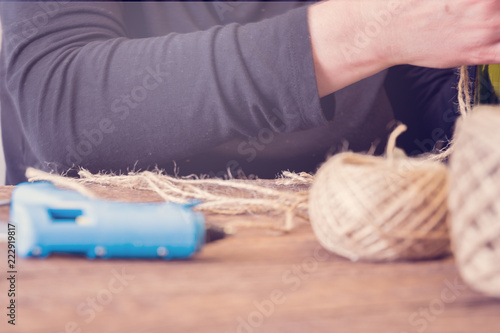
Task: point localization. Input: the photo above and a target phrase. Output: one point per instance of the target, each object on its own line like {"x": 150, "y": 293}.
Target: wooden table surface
{"x": 255, "y": 281}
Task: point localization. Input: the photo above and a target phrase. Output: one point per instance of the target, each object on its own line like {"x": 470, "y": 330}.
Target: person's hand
{"x": 444, "y": 33}
{"x": 353, "y": 39}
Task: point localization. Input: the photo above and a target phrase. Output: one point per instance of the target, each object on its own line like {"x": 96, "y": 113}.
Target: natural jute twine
{"x": 381, "y": 208}
{"x": 474, "y": 199}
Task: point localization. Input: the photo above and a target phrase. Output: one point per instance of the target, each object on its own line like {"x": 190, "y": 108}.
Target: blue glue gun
{"x": 53, "y": 220}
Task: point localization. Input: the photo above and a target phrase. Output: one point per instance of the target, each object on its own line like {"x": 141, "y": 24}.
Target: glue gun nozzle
{"x": 214, "y": 233}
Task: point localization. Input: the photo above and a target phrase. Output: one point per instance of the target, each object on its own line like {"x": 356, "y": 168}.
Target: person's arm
{"x": 354, "y": 39}
{"x": 88, "y": 94}
{"x": 77, "y": 77}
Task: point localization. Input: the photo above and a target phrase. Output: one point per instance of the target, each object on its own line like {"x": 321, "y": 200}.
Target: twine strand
{"x": 391, "y": 142}
{"x": 286, "y": 196}
{"x": 464, "y": 94}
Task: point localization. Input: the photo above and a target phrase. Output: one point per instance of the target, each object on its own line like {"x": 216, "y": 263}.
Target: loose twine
{"x": 464, "y": 109}
{"x": 288, "y": 195}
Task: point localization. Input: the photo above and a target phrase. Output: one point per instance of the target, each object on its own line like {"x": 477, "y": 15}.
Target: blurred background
{"x": 2, "y": 160}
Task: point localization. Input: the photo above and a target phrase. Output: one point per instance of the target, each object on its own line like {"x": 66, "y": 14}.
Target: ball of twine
{"x": 381, "y": 208}
{"x": 474, "y": 199}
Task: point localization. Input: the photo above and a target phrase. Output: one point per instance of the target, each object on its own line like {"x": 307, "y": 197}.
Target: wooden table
{"x": 255, "y": 281}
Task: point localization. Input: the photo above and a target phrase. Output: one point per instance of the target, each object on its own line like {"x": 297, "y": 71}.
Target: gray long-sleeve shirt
{"x": 211, "y": 86}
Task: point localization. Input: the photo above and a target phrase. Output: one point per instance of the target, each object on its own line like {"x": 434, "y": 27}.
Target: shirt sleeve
{"x": 86, "y": 94}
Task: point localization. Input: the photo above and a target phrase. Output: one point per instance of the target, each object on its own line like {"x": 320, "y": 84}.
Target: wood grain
{"x": 255, "y": 281}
